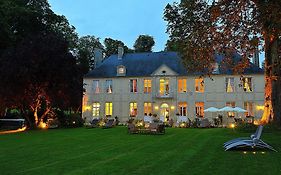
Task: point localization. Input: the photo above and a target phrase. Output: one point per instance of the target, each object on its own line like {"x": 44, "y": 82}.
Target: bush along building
{"x": 132, "y": 85}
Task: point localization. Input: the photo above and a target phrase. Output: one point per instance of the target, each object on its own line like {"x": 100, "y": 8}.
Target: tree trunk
{"x": 272, "y": 81}
{"x": 276, "y": 81}
{"x": 35, "y": 114}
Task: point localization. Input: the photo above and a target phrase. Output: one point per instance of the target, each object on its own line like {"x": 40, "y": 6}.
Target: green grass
{"x": 113, "y": 151}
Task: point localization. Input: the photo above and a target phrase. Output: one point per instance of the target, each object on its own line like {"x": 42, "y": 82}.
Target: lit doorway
{"x": 164, "y": 111}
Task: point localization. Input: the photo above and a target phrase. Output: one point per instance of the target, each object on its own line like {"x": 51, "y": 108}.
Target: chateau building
{"x": 136, "y": 84}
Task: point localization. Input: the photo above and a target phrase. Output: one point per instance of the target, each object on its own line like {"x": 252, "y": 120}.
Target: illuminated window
{"x": 230, "y": 104}
{"x": 249, "y": 107}
{"x": 96, "y": 86}
{"x": 229, "y": 84}
{"x": 133, "y": 109}
{"x": 96, "y": 109}
{"x": 147, "y": 86}
{"x": 247, "y": 84}
{"x": 199, "y": 109}
{"x": 108, "y": 86}
{"x": 182, "y": 85}
{"x": 164, "y": 86}
{"x": 182, "y": 108}
{"x": 199, "y": 85}
{"x": 147, "y": 108}
{"x": 133, "y": 85}
{"x": 108, "y": 108}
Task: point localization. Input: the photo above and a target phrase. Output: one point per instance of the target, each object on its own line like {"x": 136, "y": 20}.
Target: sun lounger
{"x": 250, "y": 143}
{"x": 259, "y": 129}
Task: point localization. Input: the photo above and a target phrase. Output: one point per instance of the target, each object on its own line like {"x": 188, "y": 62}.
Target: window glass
{"x": 182, "y": 85}
{"x": 199, "y": 85}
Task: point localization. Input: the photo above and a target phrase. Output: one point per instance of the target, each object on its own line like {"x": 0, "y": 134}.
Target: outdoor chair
{"x": 132, "y": 129}
{"x": 204, "y": 123}
{"x": 109, "y": 124}
{"x": 161, "y": 129}
{"x": 157, "y": 128}
{"x": 252, "y": 143}
{"x": 95, "y": 123}
{"x": 252, "y": 136}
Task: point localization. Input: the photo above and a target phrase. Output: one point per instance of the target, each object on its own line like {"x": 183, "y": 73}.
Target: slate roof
{"x": 144, "y": 64}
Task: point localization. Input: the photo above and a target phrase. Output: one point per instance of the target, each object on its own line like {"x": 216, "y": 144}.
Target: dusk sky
{"x": 124, "y": 20}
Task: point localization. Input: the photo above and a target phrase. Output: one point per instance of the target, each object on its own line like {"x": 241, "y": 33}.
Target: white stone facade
{"x": 169, "y": 104}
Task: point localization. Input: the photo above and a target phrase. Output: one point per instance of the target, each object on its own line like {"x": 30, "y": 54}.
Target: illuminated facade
{"x": 157, "y": 83}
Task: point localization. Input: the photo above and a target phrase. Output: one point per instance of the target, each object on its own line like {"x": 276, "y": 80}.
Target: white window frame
{"x": 96, "y": 109}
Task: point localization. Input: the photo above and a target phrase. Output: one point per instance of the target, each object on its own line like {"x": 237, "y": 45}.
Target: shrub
{"x": 72, "y": 120}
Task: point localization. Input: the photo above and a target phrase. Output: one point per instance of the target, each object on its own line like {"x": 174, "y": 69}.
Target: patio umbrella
{"x": 211, "y": 109}
{"x": 227, "y": 109}
{"x": 237, "y": 109}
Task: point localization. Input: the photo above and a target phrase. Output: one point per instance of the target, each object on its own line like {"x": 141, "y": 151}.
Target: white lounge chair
{"x": 254, "y": 142}
{"x": 244, "y": 138}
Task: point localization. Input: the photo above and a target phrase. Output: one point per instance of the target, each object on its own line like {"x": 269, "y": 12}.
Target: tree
{"x": 111, "y": 46}
{"x": 21, "y": 18}
{"x": 144, "y": 43}
{"x": 86, "y": 52}
{"x": 202, "y": 28}
{"x": 171, "y": 46}
{"x": 38, "y": 78}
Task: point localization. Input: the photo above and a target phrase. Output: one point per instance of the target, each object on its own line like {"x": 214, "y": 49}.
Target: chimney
{"x": 256, "y": 58}
{"x": 120, "y": 52}
{"x": 98, "y": 56}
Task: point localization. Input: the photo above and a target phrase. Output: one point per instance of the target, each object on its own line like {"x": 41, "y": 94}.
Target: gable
{"x": 164, "y": 70}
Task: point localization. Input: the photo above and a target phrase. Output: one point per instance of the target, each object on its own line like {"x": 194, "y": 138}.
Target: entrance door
{"x": 164, "y": 111}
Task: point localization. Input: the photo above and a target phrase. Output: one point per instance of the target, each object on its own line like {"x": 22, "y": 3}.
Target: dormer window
{"x": 121, "y": 70}
{"x": 215, "y": 68}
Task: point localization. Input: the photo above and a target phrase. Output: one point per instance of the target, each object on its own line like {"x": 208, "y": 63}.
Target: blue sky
{"x": 124, "y": 20}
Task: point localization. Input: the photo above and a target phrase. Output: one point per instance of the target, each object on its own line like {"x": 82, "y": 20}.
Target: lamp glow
{"x": 232, "y": 125}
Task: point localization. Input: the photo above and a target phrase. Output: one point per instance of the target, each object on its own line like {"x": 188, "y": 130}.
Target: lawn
{"x": 113, "y": 151}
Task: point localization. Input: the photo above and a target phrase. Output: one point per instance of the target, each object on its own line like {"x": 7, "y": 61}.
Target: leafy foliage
{"x": 199, "y": 29}
{"x": 86, "y": 52}
{"x": 144, "y": 43}
{"x": 37, "y": 76}
{"x": 111, "y": 46}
